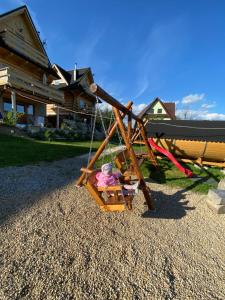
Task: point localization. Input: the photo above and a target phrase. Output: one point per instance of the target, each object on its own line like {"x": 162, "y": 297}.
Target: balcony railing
{"x": 17, "y": 79}
{"x": 86, "y": 109}
{"x": 23, "y": 47}
{"x": 66, "y": 110}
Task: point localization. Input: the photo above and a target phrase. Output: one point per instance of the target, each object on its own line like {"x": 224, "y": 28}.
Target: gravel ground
{"x": 56, "y": 244}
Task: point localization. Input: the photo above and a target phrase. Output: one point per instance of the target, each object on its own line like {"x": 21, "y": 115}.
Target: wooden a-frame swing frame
{"x": 120, "y": 112}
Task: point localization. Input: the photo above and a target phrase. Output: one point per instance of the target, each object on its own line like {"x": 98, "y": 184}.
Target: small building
{"x": 158, "y": 110}
{"x": 26, "y": 74}
{"x": 79, "y": 102}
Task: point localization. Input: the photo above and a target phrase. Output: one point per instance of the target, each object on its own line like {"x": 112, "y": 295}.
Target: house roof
{"x": 169, "y": 107}
{"x": 25, "y": 10}
{"x": 67, "y": 75}
{"x": 193, "y": 130}
{"x": 64, "y": 73}
{"x": 78, "y": 84}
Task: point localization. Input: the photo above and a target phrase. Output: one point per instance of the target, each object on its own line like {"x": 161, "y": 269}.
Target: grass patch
{"x": 202, "y": 181}
{"x": 17, "y": 151}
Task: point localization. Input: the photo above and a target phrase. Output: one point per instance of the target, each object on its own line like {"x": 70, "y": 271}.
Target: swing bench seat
{"x": 108, "y": 198}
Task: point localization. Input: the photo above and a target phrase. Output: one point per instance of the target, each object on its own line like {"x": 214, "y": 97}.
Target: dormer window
{"x": 159, "y": 110}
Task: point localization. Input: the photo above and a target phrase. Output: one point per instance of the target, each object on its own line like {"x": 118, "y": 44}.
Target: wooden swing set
{"x": 112, "y": 198}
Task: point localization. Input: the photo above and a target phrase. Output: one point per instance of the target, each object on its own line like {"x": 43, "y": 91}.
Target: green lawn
{"x": 202, "y": 180}
{"x": 16, "y": 151}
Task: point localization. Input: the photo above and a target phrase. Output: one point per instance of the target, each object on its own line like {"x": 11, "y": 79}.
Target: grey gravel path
{"x": 56, "y": 244}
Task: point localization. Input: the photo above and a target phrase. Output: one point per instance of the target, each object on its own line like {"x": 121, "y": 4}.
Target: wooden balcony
{"x": 23, "y": 47}
{"x": 19, "y": 80}
{"x": 66, "y": 110}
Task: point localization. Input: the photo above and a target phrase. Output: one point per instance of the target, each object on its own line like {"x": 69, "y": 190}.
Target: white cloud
{"x": 105, "y": 106}
{"x": 207, "y": 106}
{"x": 214, "y": 116}
{"x": 192, "y": 98}
{"x": 138, "y": 108}
{"x": 198, "y": 115}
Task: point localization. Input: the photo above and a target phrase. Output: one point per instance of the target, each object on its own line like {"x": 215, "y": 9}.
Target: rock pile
{"x": 216, "y": 198}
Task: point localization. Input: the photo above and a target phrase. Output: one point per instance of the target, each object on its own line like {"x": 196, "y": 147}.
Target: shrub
{"x": 9, "y": 118}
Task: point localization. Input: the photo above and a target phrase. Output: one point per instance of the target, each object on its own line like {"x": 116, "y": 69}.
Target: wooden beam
{"x": 98, "y": 91}
{"x": 57, "y": 117}
{"x": 93, "y": 191}
{"x": 101, "y": 147}
{"x": 13, "y": 100}
{"x": 137, "y": 131}
{"x": 133, "y": 158}
{"x": 149, "y": 149}
{"x": 109, "y": 188}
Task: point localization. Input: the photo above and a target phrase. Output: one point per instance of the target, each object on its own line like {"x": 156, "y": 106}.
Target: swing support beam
{"x": 120, "y": 112}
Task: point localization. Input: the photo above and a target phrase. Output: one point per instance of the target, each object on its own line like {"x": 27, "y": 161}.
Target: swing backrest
{"x": 121, "y": 160}
{"x": 92, "y": 177}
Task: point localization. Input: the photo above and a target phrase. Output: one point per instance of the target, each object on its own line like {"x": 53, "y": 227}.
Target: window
{"x": 30, "y": 109}
{"x": 159, "y": 110}
{"x": 20, "y": 108}
{"x": 82, "y": 104}
{"x": 7, "y": 106}
{"x": 151, "y": 111}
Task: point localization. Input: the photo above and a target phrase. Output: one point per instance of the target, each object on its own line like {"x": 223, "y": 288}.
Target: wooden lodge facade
{"x": 26, "y": 74}
{"x": 79, "y": 102}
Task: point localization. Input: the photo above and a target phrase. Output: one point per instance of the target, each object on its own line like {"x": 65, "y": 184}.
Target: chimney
{"x": 74, "y": 74}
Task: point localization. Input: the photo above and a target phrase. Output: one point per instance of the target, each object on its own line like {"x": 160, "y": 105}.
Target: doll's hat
{"x": 106, "y": 167}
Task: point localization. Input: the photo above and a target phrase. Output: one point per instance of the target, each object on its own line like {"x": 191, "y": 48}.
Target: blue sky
{"x": 139, "y": 50}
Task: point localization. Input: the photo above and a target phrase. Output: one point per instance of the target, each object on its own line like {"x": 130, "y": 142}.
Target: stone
{"x": 219, "y": 209}
{"x": 197, "y": 166}
{"x": 221, "y": 184}
{"x": 217, "y": 196}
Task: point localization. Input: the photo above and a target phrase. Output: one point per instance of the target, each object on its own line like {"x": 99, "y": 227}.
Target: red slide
{"x": 187, "y": 172}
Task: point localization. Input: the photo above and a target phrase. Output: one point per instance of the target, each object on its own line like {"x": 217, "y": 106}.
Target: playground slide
{"x": 187, "y": 172}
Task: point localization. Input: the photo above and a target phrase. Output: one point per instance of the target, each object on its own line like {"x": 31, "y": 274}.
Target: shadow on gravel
{"x": 168, "y": 206}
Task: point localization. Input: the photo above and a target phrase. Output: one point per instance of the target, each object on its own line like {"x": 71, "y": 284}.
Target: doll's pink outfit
{"x": 105, "y": 180}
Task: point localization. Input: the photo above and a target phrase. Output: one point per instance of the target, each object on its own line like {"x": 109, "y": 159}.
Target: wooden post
{"x": 149, "y": 149}
{"x": 101, "y": 147}
{"x": 57, "y": 117}
{"x": 13, "y": 99}
{"x": 1, "y": 102}
{"x": 133, "y": 159}
{"x": 137, "y": 131}
{"x": 98, "y": 91}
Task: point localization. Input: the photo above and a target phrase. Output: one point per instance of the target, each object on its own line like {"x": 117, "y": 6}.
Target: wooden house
{"x": 158, "y": 110}
{"x": 75, "y": 85}
{"x": 25, "y": 70}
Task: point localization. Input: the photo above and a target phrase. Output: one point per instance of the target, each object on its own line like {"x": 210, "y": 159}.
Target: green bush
{"x": 49, "y": 135}
{"x": 9, "y": 118}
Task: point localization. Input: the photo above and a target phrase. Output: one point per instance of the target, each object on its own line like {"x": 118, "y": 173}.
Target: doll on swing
{"x": 107, "y": 178}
